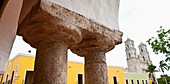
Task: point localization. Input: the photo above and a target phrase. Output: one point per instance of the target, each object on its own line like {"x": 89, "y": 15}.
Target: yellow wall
{"x": 78, "y": 68}
{"x": 118, "y": 72}
{"x": 74, "y": 68}
{"x": 19, "y": 65}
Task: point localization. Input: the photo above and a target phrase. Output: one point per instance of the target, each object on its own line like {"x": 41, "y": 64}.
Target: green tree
{"x": 161, "y": 44}
{"x": 162, "y": 81}
{"x": 163, "y": 67}
{"x": 151, "y": 69}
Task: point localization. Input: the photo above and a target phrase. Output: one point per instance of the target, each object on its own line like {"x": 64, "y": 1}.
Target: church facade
{"x": 137, "y": 63}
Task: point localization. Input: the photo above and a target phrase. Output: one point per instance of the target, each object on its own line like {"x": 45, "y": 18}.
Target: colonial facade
{"x": 20, "y": 71}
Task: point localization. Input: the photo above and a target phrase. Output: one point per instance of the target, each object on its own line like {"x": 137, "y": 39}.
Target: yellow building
{"x": 116, "y": 75}
{"x": 76, "y": 74}
{"x": 17, "y": 69}
{"x": 20, "y": 69}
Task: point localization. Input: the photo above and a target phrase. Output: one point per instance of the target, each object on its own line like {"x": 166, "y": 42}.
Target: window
{"x": 115, "y": 80}
{"x": 129, "y": 55}
{"x": 146, "y": 81}
{"x": 137, "y": 81}
{"x": 142, "y": 81}
{"x": 29, "y": 77}
{"x": 132, "y": 81}
{"x": 80, "y": 78}
{"x": 6, "y": 79}
{"x": 126, "y": 81}
{"x": 12, "y": 77}
{"x": 143, "y": 58}
{"x": 141, "y": 50}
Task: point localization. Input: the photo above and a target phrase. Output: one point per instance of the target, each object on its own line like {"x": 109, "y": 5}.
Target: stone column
{"x": 51, "y": 36}
{"x": 93, "y": 48}
{"x": 96, "y": 68}
{"x": 51, "y": 62}
{"x": 50, "y": 27}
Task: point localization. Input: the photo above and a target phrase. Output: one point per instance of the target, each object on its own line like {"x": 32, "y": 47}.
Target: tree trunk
{"x": 164, "y": 78}
{"x": 154, "y": 79}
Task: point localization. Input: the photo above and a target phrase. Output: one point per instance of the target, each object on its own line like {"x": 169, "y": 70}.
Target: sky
{"x": 138, "y": 20}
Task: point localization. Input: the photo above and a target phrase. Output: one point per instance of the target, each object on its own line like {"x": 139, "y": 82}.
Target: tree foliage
{"x": 163, "y": 66}
{"x": 162, "y": 81}
{"x": 161, "y": 44}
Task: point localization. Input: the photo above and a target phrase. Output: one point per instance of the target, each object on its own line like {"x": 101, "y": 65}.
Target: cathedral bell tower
{"x": 144, "y": 56}
{"x": 133, "y": 60}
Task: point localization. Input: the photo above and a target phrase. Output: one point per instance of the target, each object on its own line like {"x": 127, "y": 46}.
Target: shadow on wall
{"x": 1, "y": 4}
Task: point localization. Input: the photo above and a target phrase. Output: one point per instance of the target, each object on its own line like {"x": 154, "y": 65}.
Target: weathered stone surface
{"x": 96, "y": 68}
{"x": 49, "y": 21}
{"x": 79, "y": 20}
{"x": 39, "y": 26}
{"x": 93, "y": 42}
{"x": 101, "y": 11}
{"x": 62, "y": 22}
{"x": 51, "y": 62}
{"x": 27, "y": 6}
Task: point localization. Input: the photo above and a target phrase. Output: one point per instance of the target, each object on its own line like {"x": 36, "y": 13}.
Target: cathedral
{"x": 137, "y": 63}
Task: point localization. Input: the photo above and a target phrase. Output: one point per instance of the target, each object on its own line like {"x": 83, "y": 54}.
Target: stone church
{"x": 137, "y": 63}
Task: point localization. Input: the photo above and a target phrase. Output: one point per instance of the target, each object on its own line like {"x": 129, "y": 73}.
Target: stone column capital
{"x": 40, "y": 26}
{"x": 95, "y": 42}
{"x": 49, "y": 20}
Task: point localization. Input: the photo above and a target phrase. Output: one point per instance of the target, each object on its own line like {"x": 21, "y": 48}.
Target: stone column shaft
{"x": 96, "y": 68}
{"x": 51, "y": 63}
